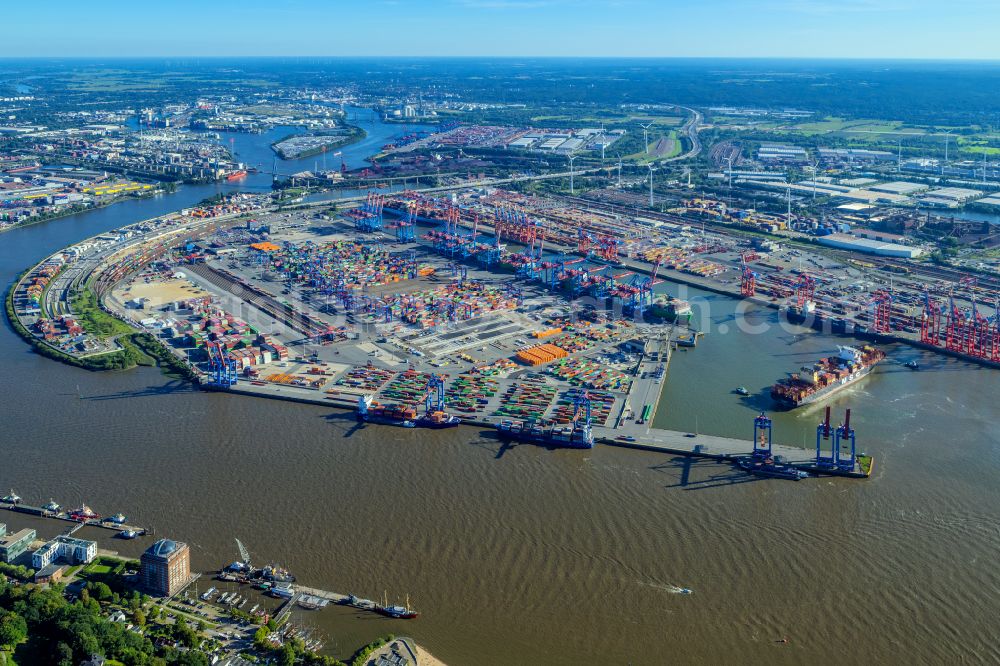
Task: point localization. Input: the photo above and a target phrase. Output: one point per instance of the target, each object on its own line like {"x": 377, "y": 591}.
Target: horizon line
{"x": 508, "y": 57}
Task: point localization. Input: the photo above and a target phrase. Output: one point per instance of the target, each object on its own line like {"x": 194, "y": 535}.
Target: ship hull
{"x": 545, "y": 438}
{"x": 824, "y": 393}
{"x": 434, "y": 425}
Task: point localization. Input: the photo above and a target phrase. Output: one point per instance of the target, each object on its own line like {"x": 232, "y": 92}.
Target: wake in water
{"x": 672, "y": 589}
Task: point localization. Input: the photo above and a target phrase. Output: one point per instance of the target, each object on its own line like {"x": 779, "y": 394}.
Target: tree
{"x": 287, "y": 657}
{"x": 64, "y": 653}
{"x": 139, "y": 617}
{"x": 100, "y": 591}
{"x": 13, "y": 629}
{"x": 260, "y": 639}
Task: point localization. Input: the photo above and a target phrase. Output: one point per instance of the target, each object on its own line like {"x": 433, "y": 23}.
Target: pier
{"x": 77, "y": 524}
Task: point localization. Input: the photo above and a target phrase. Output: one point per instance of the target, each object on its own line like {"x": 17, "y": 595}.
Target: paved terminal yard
{"x": 299, "y": 306}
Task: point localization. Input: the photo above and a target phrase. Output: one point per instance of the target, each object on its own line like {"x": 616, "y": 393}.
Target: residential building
{"x": 166, "y": 567}
{"x": 70, "y": 549}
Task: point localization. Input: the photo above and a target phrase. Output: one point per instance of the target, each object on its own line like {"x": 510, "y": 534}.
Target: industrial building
{"x": 850, "y": 155}
{"x": 776, "y": 153}
{"x": 881, "y": 248}
{"x": 70, "y": 549}
{"x": 11, "y": 547}
{"x": 166, "y": 567}
{"x": 900, "y": 187}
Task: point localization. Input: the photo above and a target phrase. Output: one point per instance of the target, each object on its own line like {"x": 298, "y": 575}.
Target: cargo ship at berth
{"x": 827, "y": 376}
{"x": 438, "y": 419}
{"x": 561, "y": 436}
{"x": 236, "y": 175}
{"x": 404, "y": 416}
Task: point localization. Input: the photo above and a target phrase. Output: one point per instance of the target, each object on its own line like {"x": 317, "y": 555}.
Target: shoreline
{"x": 356, "y": 135}
{"x": 60, "y": 216}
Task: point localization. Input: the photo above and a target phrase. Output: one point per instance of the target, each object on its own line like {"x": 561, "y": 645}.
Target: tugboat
{"x": 51, "y": 506}
{"x": 741, "y": 390}
{"x": 397, "y": 612}
{"x": 12, "y": 498}
{"x": 84, "y": 513}
{"x": 118, "y": 519}
{"x": 128, "y": 534}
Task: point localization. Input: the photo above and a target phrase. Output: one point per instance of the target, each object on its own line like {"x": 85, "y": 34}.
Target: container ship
{"x": 403, "y": 415}
{"x": 397, "y": 415}
{"x": 568, "y": 437}
{"x": 826, "y": 377}
{"x": 438, "y": 419}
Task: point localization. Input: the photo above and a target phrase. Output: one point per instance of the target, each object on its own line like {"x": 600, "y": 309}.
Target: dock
{"x": 77, "y": 524}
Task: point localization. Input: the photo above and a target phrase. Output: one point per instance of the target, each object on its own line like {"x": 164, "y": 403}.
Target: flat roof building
{"x": 70, "y": 549}
{"x": 899, "y": 187}
{"x": 12, "y": 546}
{"x": 881, "y": 248}
{"x": 166, "y": 567}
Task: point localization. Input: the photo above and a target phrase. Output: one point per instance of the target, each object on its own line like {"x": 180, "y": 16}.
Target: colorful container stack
{"x": 541, "y": 354}
{"x": 527, "y": 400}
{"x": 590, "y": 374}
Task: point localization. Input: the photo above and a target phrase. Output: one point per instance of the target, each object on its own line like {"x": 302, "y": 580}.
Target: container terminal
{"x": 531, "y": 316}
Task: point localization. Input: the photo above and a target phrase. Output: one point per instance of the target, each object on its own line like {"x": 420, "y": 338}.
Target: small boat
{"x": 208, "y": 594}
{"x": 741, "y": 390}
{"x": 912, "y": 365}
{"x": 118, "y": 519}
{"x": 12, "y": 498}
{"x": 128, "y": 534}
{"x": 51, "y": 506}
{"x": 408, "y": 424}
{"x": 283, "y": 591}
{"x": 84, "y": 513}
{"x": 685, "y": 590}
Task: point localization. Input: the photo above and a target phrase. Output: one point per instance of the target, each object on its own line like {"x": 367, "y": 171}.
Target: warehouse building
{"x": 881, "y": 248}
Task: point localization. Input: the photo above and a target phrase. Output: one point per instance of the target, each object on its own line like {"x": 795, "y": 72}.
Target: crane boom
{"x": 243, "y": 552}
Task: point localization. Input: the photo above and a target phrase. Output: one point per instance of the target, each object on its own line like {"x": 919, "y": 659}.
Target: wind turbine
{"x": 619, "y": 171}
{"x": 687, "y": 172}
{"x": 571, "y": 158}
{"x": 645, "y": 140}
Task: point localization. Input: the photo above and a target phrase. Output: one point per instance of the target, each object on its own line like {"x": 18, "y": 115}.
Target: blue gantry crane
{"x": 762, "y": 428}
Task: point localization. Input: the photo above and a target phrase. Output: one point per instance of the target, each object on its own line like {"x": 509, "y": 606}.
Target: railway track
{"x": 903, "y": 269}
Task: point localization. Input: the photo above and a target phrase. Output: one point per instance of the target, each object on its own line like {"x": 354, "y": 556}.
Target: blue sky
{"x": 753, "y": 28}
